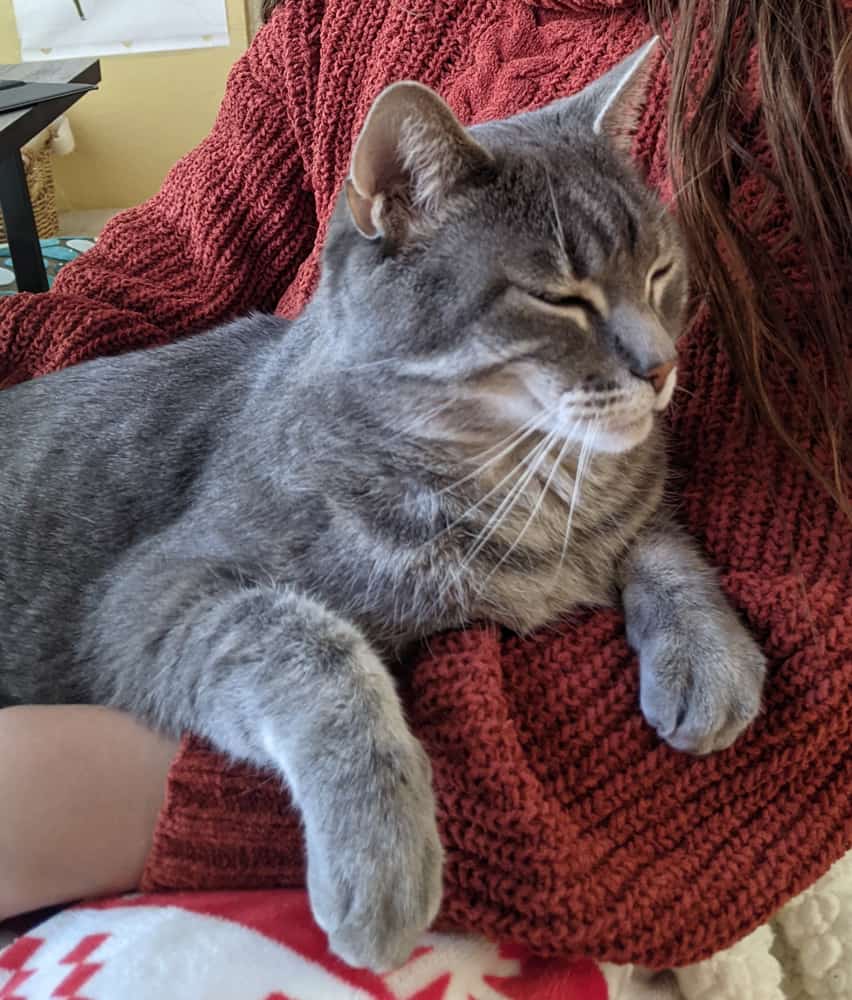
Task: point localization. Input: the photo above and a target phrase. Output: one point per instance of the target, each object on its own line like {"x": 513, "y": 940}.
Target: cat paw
{"x": 700, "y": 687}
{"x": 375, "y": 862}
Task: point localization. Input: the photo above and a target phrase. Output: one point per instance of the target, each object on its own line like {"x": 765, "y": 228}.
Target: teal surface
{"x": 56, "y": 252}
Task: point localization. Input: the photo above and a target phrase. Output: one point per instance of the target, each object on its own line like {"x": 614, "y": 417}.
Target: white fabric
{"x": 52, "y": 29}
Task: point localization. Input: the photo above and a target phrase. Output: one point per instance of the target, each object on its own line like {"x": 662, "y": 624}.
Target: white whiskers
{"x": 513, "y": 439}
{"x": 421, "y": 420}
{"x": 536, "y": 508}
{"x": 505, "y": 508}
{"x": 532, "y": 460}
{"x": 557, "y": 225}
{"x": 583, "y": 462}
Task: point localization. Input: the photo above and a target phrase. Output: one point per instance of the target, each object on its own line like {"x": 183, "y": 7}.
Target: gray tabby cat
{"x": 238, "y": 533}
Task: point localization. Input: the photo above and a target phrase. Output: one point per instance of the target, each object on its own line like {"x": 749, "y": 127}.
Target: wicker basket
{"x": 38, "y": 166}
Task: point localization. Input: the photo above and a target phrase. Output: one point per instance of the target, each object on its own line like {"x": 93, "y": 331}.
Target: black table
{"x": 16, "y": 129}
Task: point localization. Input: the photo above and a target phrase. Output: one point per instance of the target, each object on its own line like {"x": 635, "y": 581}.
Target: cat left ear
{"x": 411, "y": 153}
{"x": 617, "y": 99}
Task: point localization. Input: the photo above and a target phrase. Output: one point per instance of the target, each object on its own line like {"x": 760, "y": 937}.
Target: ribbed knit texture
{"x": 568, "y": 826}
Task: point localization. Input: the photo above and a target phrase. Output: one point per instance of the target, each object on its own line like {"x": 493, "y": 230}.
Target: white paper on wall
{"x": 53, "y": 29}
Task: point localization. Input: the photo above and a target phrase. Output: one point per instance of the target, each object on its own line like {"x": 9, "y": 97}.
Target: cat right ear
{"x": 617, "y": 99}
{"x": 411, "y": 154}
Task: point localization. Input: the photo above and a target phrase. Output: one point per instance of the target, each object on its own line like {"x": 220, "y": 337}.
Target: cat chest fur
{"x": 558, "y": 546}
{"x": 437, "y": 556}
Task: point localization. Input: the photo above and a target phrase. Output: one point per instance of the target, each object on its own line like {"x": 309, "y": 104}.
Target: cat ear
{"x": 411, "y": 152}
{"x": 617, "y": 99}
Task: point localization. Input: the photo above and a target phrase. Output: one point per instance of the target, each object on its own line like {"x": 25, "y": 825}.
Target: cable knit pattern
{"x": 568, "y": 826}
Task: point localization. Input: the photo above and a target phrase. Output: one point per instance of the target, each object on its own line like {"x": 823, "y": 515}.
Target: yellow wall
{"x": 149, "y": 111}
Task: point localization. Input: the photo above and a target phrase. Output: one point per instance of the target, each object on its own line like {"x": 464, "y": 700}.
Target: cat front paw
{"x": 701, "y": 683}
{"x": 375, "y": 861}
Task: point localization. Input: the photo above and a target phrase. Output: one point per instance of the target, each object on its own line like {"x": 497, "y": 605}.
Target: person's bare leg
{"x": 80, "y": 790}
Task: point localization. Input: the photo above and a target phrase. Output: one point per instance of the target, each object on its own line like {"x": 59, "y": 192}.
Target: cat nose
{"x": 657, "y": 375}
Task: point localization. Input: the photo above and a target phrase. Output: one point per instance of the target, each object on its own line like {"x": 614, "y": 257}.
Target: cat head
{"x": 519, "y": 267}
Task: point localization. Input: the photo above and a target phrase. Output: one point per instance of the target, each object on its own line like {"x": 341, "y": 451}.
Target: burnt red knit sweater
{"x": 568, "y": 826}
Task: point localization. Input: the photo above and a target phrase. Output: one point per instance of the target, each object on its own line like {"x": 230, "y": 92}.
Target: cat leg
{"x": 270, "y": 676}
{"x": 701, "y": 673}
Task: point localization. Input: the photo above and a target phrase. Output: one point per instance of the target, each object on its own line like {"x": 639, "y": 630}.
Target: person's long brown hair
{"x": 804, "y": 55}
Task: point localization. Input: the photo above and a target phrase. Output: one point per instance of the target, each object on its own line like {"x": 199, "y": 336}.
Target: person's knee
{"x": 80, "y": 790}
{"x": 16, "y": 765}
{"x": 16, "y": 788}
{"x": 12, "y": 723}
{"x": 14, "y": 897}
{"x": 22, "y": 741}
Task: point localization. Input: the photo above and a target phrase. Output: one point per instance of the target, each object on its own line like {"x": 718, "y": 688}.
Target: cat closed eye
{"x": 566, "y": 302}
{"x": 656, "y": 283}
{"x": 661, "y": 272}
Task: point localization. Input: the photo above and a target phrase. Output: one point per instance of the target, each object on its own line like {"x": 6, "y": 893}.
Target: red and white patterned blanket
{"x": 258, "y": 946}
{"x": 265, "y": 946}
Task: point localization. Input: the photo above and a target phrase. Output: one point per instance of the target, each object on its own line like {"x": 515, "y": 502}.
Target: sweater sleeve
{"x": 226, "y": 233}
